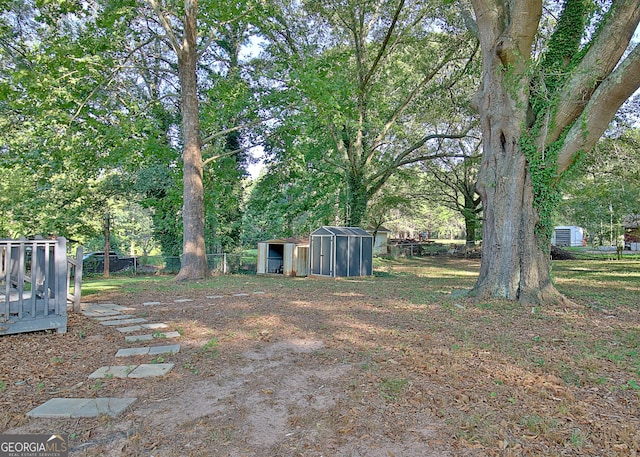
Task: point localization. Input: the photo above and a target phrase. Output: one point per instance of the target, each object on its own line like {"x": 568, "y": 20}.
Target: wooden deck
{"x": 34, "y": 285}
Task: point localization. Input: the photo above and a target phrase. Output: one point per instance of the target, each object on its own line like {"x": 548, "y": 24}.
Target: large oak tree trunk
{"x": 515, "y": 263}
{"x": 194, "y": 254}
{"x": 575, "y": 96}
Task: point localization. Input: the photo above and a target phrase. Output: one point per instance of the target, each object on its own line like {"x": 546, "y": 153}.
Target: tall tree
{"x": 194, "y": 254}
{"x": 451, "y": 181}
{"x": 376, "y": 103}
{"x": 541, "y": 103}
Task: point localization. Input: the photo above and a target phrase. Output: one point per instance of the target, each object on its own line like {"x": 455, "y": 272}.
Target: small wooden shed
{"x": 286, "y": 256}
{"x": 341, "y": 252}
{"x": 380, "y": 240}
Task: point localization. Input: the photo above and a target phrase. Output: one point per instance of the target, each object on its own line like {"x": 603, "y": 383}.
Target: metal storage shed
{"x": 341, "y": 251}
{"x": 567, "y": 235}
{"x": 287, "y": 256}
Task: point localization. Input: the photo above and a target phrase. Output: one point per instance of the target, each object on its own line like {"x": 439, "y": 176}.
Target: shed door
{"x": 366, "y": 266}
{"x": 326, "y": 259}
{"x": 321, "y": 248}
{"x": 563, "y": 237}
{"x": 342, "y": 256}
{"x": 354, "y": 256}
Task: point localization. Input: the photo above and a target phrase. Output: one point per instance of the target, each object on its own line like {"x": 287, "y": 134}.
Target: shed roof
{"x": 631, "y": 221}
{"x": 296, "y": 241}
{"x": 342, "y": 231}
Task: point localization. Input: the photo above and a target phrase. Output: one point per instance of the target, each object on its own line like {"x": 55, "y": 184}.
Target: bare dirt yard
{"x": 393, "y": 365}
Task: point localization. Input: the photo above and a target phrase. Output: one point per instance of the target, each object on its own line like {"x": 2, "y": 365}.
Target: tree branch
{"x": 601, "y": 108}
{"x": 213, "y": 136}
{"x": 108, "y": 79}
{"x": 166, "y": 25}
{"x": 602, "y": 57}
{"x": 514, "y": 45}
{"x": 384, "y": 45}
{"x": 403, "y": 106}
{"x": 403, "y": 158}
{"x": 489, "y": 19}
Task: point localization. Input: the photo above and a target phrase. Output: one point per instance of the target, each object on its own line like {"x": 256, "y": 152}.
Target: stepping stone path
{"x": 157, "y": 335}
{"x": 112, "y": 315}
{"x": 144, "y": 370}
{"x": 153, "y": 350}
{"x": 71, "y": 408}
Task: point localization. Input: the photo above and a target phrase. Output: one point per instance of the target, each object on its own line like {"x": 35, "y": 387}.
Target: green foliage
{"x": 358, "y": 119}
{"x": 561, "y": 56}
{"x": 604, "y": 188}
{"x": 563, "y": 49}
{"x": 546, "y": 192}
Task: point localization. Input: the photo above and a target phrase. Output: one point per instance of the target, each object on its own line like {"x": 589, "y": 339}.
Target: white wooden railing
{"x": 35, "y": 276}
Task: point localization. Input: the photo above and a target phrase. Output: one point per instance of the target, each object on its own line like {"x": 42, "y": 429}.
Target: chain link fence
{"x": 236, "y": 263}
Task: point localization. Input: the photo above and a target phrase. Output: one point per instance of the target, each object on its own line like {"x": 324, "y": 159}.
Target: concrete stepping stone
{"x": 215, "y": 296}
{"x": 105, "y": 308}
{"x": 136, "y": 320}
{"x": 153, "y": 350}
{"x": 155, "y": 326}
{"x": 182, "y": 300}
{"x": 119, "y": 371}
{"x": 129, "y": 352}
{"x": 158, "y": 335}
{"x": 149, "y": 370}
{"x": 151, "y": 303}
{"x": 133, "y": 328}
{"x": 241, "y": 295}
{"x": 115, "y": 317}
{"x": 170, "y": 348}
{"x": 70, "y": 408}
{"x": 100, "y": 314}
{"x": 136, "y": 328}
{"x": 136, "y": 338}
{"x": 145, "y": 370}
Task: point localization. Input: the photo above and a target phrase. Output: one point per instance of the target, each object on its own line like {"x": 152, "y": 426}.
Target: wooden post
{"x": 107, "y": 245}
{"x": 59, "y": 279}
{"x": 77, "y": 280}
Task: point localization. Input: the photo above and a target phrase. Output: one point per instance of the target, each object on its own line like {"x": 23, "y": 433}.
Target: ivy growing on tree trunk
{"x": 539, "y": 112}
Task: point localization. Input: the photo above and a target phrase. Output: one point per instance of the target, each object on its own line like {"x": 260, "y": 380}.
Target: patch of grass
{"x": 211, "y": 347}
{"x": 539, "y": 425}
{"x": 191, "y": 368}
{"x": 92, "y": 286}
{"x": 391, "y": 388}
{"x": 633, "y": 385}
{"x": 578, "y": 438}
{"x": 476, "y": 427}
